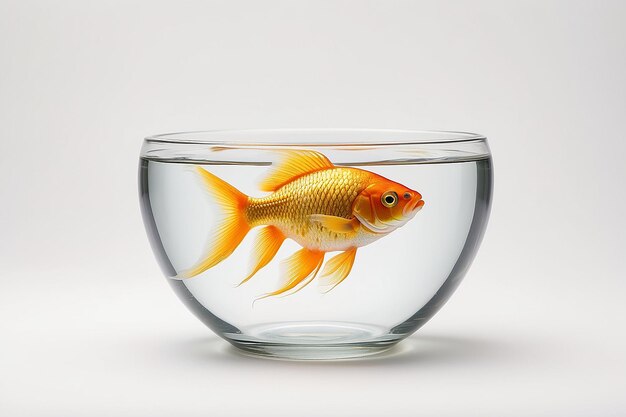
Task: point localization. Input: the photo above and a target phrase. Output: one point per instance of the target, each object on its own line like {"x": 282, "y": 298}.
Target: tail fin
{"x": 233, "y": 228}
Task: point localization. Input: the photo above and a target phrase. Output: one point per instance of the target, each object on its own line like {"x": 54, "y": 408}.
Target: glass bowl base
{"x": 313, "y": 340}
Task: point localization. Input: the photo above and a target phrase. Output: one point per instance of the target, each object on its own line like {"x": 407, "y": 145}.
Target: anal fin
{"x": 268, "y": 241}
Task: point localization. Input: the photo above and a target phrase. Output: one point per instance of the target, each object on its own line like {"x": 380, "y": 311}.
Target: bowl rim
{"x": 388, "y": 137}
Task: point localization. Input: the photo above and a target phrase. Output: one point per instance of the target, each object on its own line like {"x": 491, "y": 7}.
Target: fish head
{"x": 385, "y": 205}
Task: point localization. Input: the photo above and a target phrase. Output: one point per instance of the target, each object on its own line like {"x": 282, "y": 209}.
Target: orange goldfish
{"x": 322, "y": 207}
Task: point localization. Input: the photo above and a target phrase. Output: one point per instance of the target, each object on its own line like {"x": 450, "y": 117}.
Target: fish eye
{"x": 407, "y": 196}
{"x": 389, "y": 199}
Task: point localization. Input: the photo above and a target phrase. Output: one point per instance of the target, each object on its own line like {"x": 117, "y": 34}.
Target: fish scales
{"x": 331, "y": 192}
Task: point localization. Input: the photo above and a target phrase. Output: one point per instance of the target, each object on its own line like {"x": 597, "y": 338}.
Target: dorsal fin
{"x": 294, "y": 164}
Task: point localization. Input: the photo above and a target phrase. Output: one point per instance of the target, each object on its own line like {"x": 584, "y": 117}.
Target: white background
{"x": 89, "y": 327}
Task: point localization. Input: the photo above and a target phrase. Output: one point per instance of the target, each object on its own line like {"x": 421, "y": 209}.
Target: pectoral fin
{"x": 337, "y": 269}
{"x": 334, "y": 223}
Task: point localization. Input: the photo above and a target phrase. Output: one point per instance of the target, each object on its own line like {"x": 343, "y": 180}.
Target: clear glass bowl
{"x": 405, "y": 268}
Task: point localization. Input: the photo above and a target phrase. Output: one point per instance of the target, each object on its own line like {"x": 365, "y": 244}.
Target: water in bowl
{"x": 396, "y": 284}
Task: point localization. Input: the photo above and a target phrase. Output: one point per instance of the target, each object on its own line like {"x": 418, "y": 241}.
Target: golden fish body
{"x": 329, "y": 192}
{"x": 322, "y": 207}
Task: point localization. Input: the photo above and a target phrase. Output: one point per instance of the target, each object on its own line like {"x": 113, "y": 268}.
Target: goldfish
{"x": 322, "y": 207}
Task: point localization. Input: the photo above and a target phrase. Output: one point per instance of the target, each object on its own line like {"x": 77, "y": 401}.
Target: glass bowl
{"x": 317, "y": 243}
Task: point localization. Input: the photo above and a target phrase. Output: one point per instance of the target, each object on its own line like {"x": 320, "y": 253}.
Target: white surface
{"x": 89, "y": 327}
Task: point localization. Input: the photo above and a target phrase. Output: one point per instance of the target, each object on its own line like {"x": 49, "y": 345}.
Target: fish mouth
{"x": 413, "y": 207}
